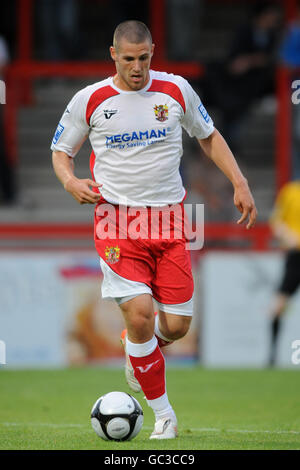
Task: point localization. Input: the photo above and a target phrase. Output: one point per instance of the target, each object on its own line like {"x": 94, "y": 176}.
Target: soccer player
{"x": 134, "y": 122}
{"x": 285, "y": 224}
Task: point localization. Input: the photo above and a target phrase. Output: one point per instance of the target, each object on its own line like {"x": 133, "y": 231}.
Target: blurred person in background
{"x": 248, "y": 73}
{"x": 183, "y": 26}
{"x": 285, "y": 225}
{"x": 8, "y": 26}
{"x": 7, "y": 183}
{"x": 289, "y": 56}
{"x": 58, "y": 22}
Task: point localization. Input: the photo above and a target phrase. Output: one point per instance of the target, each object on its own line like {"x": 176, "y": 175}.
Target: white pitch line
{"x": 46, "y": 425}
{"x": 245, "y": 431}
{"x": 202, "y": 430}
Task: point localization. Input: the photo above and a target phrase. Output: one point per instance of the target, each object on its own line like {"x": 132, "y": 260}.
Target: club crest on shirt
{"x": 112, "y": 254}
{"x": 161, "y": 112}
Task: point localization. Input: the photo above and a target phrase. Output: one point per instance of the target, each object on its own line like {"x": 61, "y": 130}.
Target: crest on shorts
{"x": 161, "y": 112}
{"x": 112, "y": 254}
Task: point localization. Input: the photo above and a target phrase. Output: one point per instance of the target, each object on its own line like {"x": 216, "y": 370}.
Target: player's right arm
{"x": 70, "y": 134}
{"x": 78, "y": 188}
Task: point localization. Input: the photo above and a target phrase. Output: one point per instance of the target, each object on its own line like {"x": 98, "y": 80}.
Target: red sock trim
{"x": 162, "y": 343}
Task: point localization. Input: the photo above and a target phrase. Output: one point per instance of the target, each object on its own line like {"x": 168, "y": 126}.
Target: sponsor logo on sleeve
{"x": 58, "y": 133}
{"x": 204, "y": 113}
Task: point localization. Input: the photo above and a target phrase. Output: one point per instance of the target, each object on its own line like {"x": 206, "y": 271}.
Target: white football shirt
{"x": 136, "y": 136}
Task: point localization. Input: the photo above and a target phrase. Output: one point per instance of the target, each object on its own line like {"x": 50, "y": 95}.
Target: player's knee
{"x": 139, "y": 322}
{"x": 179, "y": 332}
{"x": 177, "y": 327}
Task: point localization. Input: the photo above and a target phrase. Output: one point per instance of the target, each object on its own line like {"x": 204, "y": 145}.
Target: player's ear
{"x": 112, "y": 51}
{"x": 152, "y": 49}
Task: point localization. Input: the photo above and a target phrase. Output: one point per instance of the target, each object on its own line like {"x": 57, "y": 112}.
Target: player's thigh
{"x": 173, "y": 281}
{"x": 134, "y": 299}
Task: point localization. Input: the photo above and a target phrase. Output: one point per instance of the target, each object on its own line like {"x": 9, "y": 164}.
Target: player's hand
{"x": 244, "y": 202}
{"x": 81, "y": 190}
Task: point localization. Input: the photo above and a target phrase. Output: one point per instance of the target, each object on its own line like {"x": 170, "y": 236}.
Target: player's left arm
{"x": 216, "y": 148}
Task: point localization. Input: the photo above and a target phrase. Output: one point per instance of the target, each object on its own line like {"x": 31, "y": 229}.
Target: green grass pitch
{"x": 216, "y": 409}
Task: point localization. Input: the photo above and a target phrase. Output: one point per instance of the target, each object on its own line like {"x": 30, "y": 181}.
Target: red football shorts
{"x": 147, "y": 245}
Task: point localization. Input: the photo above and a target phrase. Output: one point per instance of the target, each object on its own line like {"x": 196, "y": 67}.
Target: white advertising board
{"x": 237, "y": 293}
{"x": 35, "y": 304}
{"x": 52, "y": 313}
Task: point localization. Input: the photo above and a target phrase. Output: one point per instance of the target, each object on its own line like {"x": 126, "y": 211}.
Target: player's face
{"x": 132, "y": 63}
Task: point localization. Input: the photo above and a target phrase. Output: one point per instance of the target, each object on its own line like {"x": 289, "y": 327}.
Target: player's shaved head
{"x": 133, "y": 31}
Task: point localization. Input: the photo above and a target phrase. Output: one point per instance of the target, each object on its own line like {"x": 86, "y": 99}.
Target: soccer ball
{"x": 117, "y": 416}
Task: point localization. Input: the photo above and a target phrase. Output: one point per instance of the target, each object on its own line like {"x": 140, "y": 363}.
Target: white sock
{"x": 158, "y": 332}
{"x": 162, "y": 408}
{"x": 141, "y": 349}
